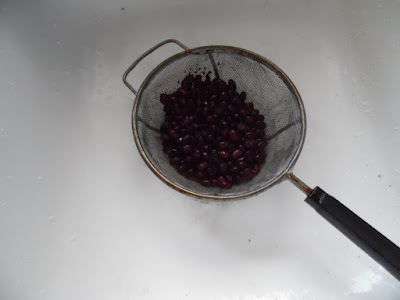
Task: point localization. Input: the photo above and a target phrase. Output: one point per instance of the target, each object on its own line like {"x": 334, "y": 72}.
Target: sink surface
{"x": 82, "y": 217}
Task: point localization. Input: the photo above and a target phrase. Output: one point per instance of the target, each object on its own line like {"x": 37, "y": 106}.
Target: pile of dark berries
{"x": 211, "y": 134}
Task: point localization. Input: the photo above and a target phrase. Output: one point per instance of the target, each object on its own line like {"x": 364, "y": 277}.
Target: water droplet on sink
{"x": 58, "y": 43}
{"x": 40, "y": 178}
{"x": 50, "y": 218}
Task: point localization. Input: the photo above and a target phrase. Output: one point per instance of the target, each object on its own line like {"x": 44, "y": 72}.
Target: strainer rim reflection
{"x": 211, "y": 48}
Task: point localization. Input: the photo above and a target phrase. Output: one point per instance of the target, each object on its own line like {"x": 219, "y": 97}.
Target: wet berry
{"x": 211, "y": 134}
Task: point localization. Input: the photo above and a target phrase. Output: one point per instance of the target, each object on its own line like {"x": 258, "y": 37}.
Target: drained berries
{"x": 211, "y": 134}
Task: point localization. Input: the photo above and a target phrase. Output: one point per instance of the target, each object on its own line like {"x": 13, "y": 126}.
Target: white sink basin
{"x": 82, "y": 217}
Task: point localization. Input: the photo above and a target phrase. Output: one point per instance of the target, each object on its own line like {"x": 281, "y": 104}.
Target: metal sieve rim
{"x": 241, "y": 51}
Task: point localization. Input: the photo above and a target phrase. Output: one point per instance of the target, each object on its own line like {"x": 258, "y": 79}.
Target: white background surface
{"x": 82, "y": 217}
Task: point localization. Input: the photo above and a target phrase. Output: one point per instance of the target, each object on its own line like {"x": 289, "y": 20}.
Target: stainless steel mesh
{"x": 266, "y": 86}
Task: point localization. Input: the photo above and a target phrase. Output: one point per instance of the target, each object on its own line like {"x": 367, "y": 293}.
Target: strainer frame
{"x": 134, "y": 120}
{"x": 376, "y": 245}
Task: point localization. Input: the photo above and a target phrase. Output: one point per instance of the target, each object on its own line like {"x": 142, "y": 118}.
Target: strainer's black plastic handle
{"x": 134, "y": 64}
{"x": 357, "y": 230}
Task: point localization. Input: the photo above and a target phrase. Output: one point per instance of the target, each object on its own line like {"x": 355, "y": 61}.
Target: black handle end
{"x": 357, "y": 230}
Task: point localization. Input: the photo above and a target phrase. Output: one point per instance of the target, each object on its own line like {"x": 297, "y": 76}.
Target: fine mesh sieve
{"x": 271, "y": 91}
{"x": 275, "y": 96}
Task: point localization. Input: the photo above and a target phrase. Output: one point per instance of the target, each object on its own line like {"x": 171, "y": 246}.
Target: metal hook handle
{"x": 134, "y": 64}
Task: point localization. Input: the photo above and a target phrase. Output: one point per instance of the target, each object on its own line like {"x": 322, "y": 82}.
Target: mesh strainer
{"x": 276, "y": 97}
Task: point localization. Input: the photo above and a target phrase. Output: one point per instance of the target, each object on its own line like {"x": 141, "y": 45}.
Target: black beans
{"x": 250, "y": 120}
{"x": 241, "y": 127}
{"x": 181, "y": 169}
{"x": 201, "y": 166}
{"x": 248, "y": 173}
{"x": 223, "y": 182}
{"x": 232, "y": 85}
{"x": 211, "y": 134}
{"x": 188, "y": 160}
{"x": 224, "y": 154}
{"x": 242, "y": 165}
{"x": 249, "y": 156}
{"x": 224, "y": 96}
{"x": 206, "y": 182}
{"x": 175, "y": 161}
{"x": 234, "y": 169}
{"x": 256, "y": 169}
{"x": 233, "y": 134}
{"x": 237, "y": 153}
{"x": 223, "y": 168}
{"x": 261, "y": 124}
{"x": 223, "y": 144}
{"x": 163, "y": 98}
{"x": 197, "y": 154}
{"x": 187, "y": 149}
{"x": 173, "y": 134}
{"x": 250, "y": 143}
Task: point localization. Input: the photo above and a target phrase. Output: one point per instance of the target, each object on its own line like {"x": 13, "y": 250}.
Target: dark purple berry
{"x": 223, "y": 145}
{"x": 224, "y": 154}
{"x": 187, "y": 149}
{"x": 256, "y": 169}
{"x": 250, "y": 143}
{"x": 223, "y": 183}
{"x": 206, "y": 182}
{"x": 237, "y": 153}
{"x": 234, "y": 136}
{"x": 181, "y": 169}
{"x": 201, "y": 166}
{"x": 223, "y": 168}
{"x": 231, "y": 85}
{"x": 210, "y": 134}
{"x": 248, "y": 173}
{"x": 175, "y": 161}
{"x": 241, "y": 126}
{"x": 261, "y": 124}
{"x": 173, "y": 134}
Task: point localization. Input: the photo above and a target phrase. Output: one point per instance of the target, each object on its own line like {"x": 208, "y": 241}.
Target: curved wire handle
{"x": 134, "y": 64}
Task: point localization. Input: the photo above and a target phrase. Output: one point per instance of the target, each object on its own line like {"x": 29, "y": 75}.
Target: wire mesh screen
{"x": 265, "y": 86}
